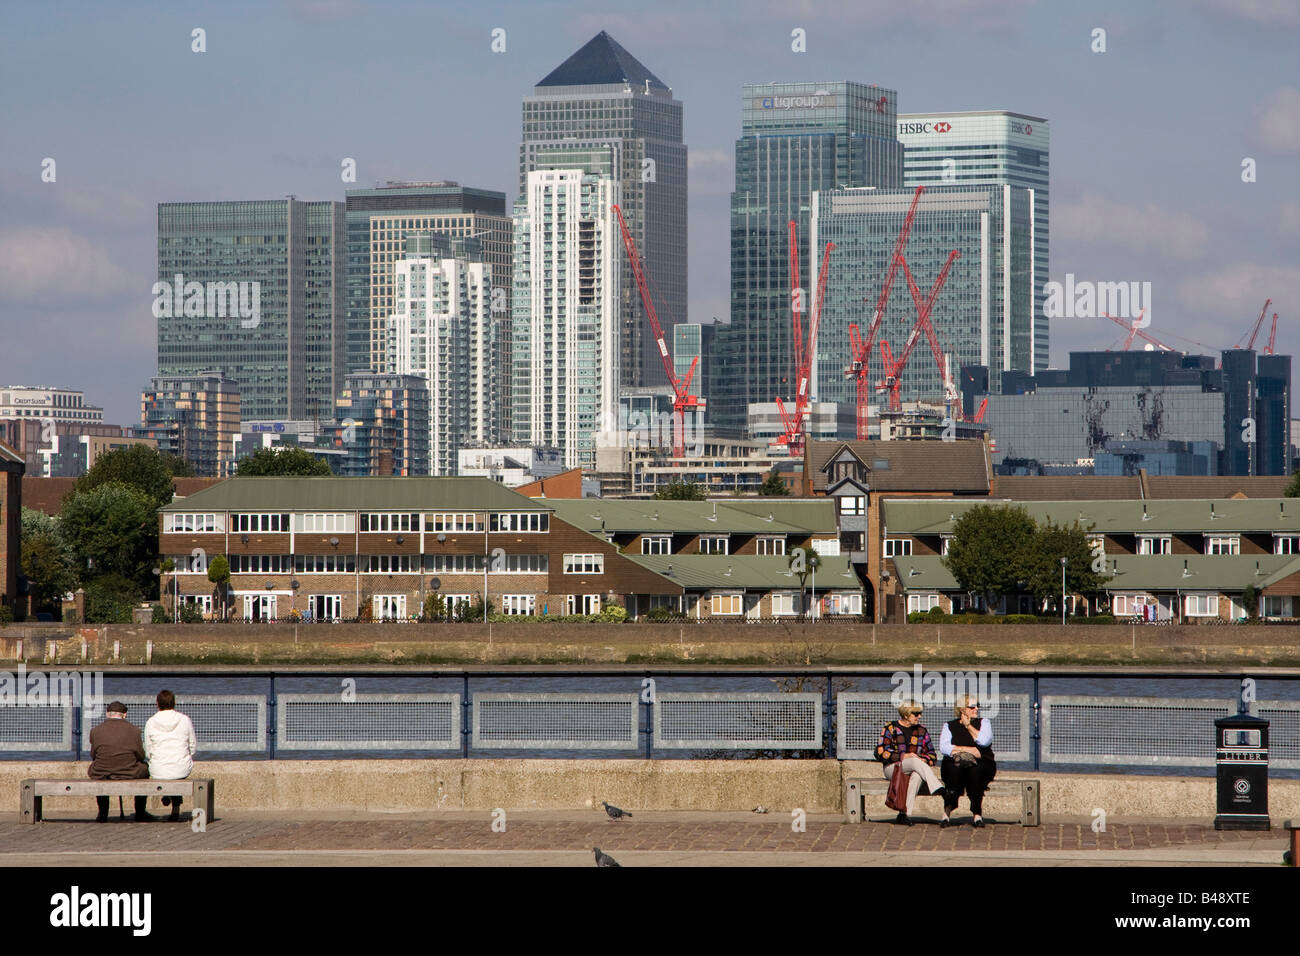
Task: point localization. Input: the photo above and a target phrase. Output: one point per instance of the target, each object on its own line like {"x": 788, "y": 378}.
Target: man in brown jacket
{"x": 117, "y": 753}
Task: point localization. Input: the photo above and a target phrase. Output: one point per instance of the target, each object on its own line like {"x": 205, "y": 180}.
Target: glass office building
{"x": 796, "y": 138}
{"x": 261, "y": 300}
{"x": 599, "y": 102}
{"x": 995, "y": 148}
{"x": 983, "y": 313}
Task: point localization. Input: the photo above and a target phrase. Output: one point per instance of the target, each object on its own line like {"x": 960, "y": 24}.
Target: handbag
{"x": 896, "y": 799}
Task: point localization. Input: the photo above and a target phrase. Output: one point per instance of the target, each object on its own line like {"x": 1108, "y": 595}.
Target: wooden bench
{"x": 856, "y": 790}
{"x": 196, "y": 790}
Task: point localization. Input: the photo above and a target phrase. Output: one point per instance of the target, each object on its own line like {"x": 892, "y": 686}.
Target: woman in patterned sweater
{"x": 905, "y": 745}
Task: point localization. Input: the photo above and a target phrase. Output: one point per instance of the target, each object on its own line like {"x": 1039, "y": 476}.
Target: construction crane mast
{"x": 860, "y": 348}
{"x": 1135, "y": 329}
{"x": 683, "y": 401}
{"x": 792, "y": 434}
{"x": 1258, "y": 324}
{"x": 894, "y": 370}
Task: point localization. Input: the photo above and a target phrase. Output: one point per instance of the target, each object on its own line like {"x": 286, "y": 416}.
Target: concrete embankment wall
{"x": 703, "y": 785}
{"x": 540, "y": 642}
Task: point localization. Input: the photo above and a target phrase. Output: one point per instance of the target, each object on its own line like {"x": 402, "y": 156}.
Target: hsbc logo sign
{"x": 942, "y": 127}
{"x": 1023, "y": 128}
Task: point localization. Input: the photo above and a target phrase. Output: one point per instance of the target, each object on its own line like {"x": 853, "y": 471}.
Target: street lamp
{"x": 1062, "y": 592}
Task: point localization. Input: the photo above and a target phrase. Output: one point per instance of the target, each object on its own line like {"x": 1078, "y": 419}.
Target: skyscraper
{"x": 994, "y": 148}
{"x": 796, "y": 138}
{"x": 254, "y": 289}
{"x": 983, "y": 313}
{"x": 443, "y": 330}
{"x": 378, "y": 221}
{"x": 568, "y": 251}
{"x": 383, "y": 425}
{"x": 603, "y": 97}
{"x": 195, "y": 417}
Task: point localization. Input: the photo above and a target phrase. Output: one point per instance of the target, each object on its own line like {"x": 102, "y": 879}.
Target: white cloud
{"x": 1289, "y": 219}
{"x": 1237, "y": 291}
{"x": 1140, "y": 229}
{"x": 57, "y": 265}
{"x": 1279, "y": 121}
{"x": 710, "y": 171}
{"x": 1274, "y": 13}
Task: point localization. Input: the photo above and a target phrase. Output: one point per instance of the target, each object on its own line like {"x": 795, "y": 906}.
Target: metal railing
{"x": 819, "y": 712}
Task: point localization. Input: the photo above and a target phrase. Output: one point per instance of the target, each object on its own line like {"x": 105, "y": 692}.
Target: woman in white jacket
{"x": 169, "y": 746}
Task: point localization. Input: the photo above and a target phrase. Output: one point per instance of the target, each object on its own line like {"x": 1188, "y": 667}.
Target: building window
{"x": 324, "y": 564}
{"x": 1286, "y": 544}
{"x": 726, "y": 603}
{"x": 853, "y": 505}
{"x": 658, "y": 545}
{"x": 390, "y": 563}
{"x": 389, "y": 607}
{"x": 785, "y": 603}
{"x": 453, "y": 522}
{"x": 772, "y": 545}
{"x": 390, "y": 522}
{"x": 322, "y": 523}
{"x": 584, "y": 564}
{"x": 193, "y": 522}
{"x": 898, "y": 547}
{"x": 260, "y": 564}
{"x": 201, "y": 601}
{"x": 1201, "y": 605}
{"x": 518, "y": 604}
{"x": 324, "y": 607}
{"x": 1152, "y": 544}
{"x": 1222, "y": 545}
{"x": 582, "y": 604}
{"x": 1277, "y": 606}
{"x": 842, "y": 603}
{"x": 921, "y": 603}
{"x": 259, "y": 522}
{"x": 520, "y": 564}
{"x": 532, "y": 521}
{"x": 713, "y": 545}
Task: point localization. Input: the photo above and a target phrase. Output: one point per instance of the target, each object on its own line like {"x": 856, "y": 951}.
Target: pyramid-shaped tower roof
{"x": 602, "y": 62}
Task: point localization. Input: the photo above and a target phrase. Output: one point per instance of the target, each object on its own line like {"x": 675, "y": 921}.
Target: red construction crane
{"x": 860, "y": 348}
{"x": 894, "y": 370}
{"x": 979, "y": 415}
{"x": 792, "y": 435}
{"x": 683, "y": 401}
{"x": 1272, "y": 336}
{"x": 1258, "y": 324}
{"x": 1135, "y": 329}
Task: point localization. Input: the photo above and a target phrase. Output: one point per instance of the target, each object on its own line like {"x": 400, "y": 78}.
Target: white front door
{"x": 259, "y": 607}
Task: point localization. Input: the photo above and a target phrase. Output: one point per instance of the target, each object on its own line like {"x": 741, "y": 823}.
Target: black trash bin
{"x": 1241, "y": 759}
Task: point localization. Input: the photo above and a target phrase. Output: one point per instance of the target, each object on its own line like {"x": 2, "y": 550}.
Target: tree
{"x": 1250, "y": 602}
{"x": 803, "y": 562}
{"x": 678, "y": 490}
{"x": 47, "y": 561}
{"x": 1040, "y": 568}
{"x": 773, "y": 486}
{"x": 112, "y": 529}
{"x": 139, "y": 467}
{"x": 986, "y": 553}
{"x": 110, "y": 599}
{"x": 219, "y": 574}
{"x": 1293, "y": 488}
{"x": 282, "y": 461}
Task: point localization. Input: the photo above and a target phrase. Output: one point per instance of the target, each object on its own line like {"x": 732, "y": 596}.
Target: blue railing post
{"x": 830, "y": 718}
{"x": 270, "y": 720}
{"x": 649, "y": 721}
{"x": 464, "y": 717}
{"x": 76, "y": 729}
{"x": 1035, "y": 734}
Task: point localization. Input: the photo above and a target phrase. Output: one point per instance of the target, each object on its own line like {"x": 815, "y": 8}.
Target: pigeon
{"x": 604, "y": 859}
{"x": 614, "y": 812}
{"x": 760, "y": 809}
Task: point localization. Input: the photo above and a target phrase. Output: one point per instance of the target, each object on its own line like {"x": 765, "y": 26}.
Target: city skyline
{"x": 1131, "y": 203}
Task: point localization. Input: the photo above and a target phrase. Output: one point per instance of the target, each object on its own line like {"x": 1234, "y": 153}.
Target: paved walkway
{"x": 650, "y": 839}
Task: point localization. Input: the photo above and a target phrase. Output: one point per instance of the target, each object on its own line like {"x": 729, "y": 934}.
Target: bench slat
{"x": 199, "y": 789}
{"x": 857, "y": 788}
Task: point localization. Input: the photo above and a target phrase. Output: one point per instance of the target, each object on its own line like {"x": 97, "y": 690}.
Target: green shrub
{"x": 661, "y": 614}
{"x": 916, "y": 617}
{"x": 613, "y": 614}
{"x": 937, "y": 613}
{"x": 6, "y": 614}
{"x": 160, "y": 615}
{"x": 110, "y": 598}
{"x": 190, "y": 614}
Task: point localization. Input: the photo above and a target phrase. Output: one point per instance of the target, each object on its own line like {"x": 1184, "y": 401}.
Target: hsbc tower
{"x": 988, "y": 148}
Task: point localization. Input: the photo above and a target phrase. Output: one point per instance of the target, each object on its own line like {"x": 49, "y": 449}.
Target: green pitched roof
{"x": 721, "y": 571}
{"x": 356, "y": 494}
{"x": 1141, "y": 572}
{"x": 812, "y": 514}
{"x": 1163, "y": 516}
{"x": 688, "y": 517}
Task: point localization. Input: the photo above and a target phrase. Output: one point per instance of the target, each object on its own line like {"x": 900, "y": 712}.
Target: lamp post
{"x": 1062, "y": 592}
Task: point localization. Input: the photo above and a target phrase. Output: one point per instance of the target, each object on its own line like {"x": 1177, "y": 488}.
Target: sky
{"x": 1149, "y": 137}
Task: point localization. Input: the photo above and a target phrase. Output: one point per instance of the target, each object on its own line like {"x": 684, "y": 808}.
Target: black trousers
{"x": 971, "y": 779}
{"x": 141, "y": 805}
